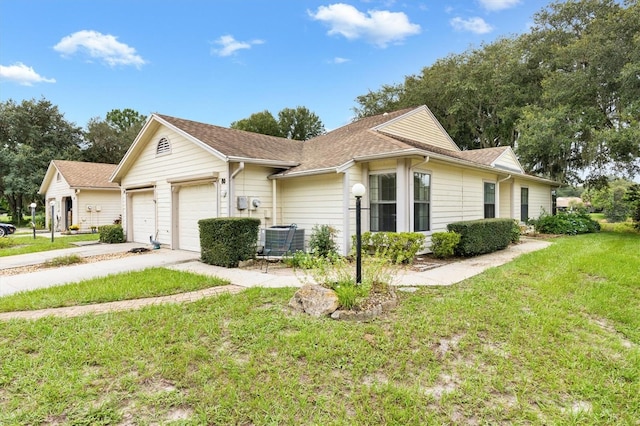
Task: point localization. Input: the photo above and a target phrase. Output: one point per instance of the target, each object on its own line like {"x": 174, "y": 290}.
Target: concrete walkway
{"x": 188, "y": 261}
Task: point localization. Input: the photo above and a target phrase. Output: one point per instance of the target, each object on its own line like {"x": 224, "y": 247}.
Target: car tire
{"x": 3, "y": 232}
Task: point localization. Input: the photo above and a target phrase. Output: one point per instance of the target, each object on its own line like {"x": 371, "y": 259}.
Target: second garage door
{"x": 194, "y": 203}
{"x": 143, "y": 215}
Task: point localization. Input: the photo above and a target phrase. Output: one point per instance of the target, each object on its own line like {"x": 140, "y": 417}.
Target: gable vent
{"x": 164, "y": 147}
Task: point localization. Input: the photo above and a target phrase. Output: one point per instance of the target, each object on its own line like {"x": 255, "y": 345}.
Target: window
{"x": 164, "y": 147}
{"x": 489, "y": 200}
{"x": 421, "y": 201}
{"x": 58, "y": 178}
{"x": 382, "y": 195}
{"x": 524, "y": 204}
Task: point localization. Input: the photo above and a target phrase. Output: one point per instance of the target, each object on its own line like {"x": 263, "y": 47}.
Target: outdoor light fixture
{"x": 52, "y": 203}
{"x": 33, "y": 218}
{"x": 358, "y": 190}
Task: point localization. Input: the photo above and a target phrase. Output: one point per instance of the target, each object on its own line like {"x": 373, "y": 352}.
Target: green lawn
{"x": 131, "y": 285}
{"x": 551, "y": 338}
{"x": 22, "y": 244}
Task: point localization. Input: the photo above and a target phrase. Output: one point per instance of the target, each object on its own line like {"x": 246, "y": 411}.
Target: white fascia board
{"x": 265, "y": 162}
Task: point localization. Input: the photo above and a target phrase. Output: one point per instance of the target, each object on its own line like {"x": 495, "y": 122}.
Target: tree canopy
{"x": 32, "y": 133}
{"x": 565, "y": 95}
{"x": 106, "y": 141}
{"x": 293, "y": 123}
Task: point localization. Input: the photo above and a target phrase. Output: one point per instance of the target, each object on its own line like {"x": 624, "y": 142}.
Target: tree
{"x": 107, "y": 141}
{"x": 565, "y": 95}
{"x": 299, "y": 124}
{"x": 259, "y": 122}
{"x": 32, "y": 134}
{"x": 612, "y": 200}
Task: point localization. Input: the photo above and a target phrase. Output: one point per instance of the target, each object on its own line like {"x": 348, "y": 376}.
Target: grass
{"x": 131, "y": 285}
{"x": 27, "y": 244}
{"x": 551, "y": 338}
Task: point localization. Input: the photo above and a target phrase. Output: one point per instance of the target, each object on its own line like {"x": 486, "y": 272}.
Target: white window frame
{"x": 412, "y": 194}
{"x": 528, "y": 204}
{"x": 495, "y": 198}
{"x": 372, "y": 202}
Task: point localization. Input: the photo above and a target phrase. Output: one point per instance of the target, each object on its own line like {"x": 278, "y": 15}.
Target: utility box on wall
{"x": 243, "y": 202}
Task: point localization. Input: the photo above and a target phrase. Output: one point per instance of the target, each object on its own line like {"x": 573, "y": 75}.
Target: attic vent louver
{"x": 164, "y": 147}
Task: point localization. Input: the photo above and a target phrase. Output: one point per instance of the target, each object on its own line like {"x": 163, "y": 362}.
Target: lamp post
{"x": 52, "y": 203}
{"x": 358, "y": 191}
{"x": 33, "y": 218}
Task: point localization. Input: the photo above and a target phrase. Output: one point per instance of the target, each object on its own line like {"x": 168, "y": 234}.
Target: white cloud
{"x": 99, "y": 46}
{"x": 474, "y": 25}
{"x": 339, "y": 60}
{"x": 499, "y": 4}
{"x": 22, "y": 74}
{"x": 379, "y": 27}
{"x": 230, "y": 45}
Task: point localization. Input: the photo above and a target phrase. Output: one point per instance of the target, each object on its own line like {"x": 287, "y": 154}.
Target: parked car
{"x": 6, "y": 229}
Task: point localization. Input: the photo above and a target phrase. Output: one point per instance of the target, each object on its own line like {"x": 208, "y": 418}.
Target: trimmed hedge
{"x": 226, "y": 241}
{"x": 111, "y": 234}
{"x": 397, "y": 247}
{"x": 443, "y": 244}
{"x": 482, "y": 236}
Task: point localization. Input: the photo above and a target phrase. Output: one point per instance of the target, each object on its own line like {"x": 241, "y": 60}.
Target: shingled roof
{"x": 238, "y": 143}
{"x": 79, "y": 174}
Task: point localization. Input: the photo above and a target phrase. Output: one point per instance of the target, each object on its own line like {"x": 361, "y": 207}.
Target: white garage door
{"x": 194, "y": 203}
{"x": 143, "y": 215}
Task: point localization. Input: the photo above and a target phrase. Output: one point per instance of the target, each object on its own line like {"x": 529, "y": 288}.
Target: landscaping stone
{"x": 314, "y": 300}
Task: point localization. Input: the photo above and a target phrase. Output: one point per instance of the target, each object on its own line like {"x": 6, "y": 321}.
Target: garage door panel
{"x": 194, "y": 203}
{"x": 143, "y": 216}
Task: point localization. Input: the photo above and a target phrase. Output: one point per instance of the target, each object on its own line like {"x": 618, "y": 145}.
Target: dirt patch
{"x": 88, "y": 259}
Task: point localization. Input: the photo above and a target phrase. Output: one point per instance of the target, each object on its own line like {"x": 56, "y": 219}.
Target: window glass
{"x": 489, "y": 200}
{"x": 382, "y": 196}
{"x": 421, "y": 201}
{"x": 524, "y": 204}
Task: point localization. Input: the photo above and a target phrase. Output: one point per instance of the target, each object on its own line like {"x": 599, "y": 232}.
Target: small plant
{"x": 63, "y": 261}
{"x": 398, "y": 247}
{"x": 515, "y": 232}
{"x": 74, "y": 227}
{"x": 322, "y": 241}
{"x": 443, "y": 244}
{"x": 111, "y": 234}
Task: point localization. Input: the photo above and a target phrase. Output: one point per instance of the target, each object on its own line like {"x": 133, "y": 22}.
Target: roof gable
{"x": 224, "y": 143}
{"x": 419, "y": 125}
{"x": 80, "y": 174}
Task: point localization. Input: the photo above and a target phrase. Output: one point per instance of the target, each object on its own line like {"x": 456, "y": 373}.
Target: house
{"x": 569, "y": 203}
{"x": 82, "y": 193}
{"x": 178, "y": 171}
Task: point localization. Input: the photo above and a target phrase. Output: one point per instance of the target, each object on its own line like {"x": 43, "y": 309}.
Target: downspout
{"x": 274, "y": 201}
{"x": 232, "y": 186}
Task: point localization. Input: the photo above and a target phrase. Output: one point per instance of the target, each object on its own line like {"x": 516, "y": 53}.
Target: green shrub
{"x": 226, "y": 241}
{"x": 570, "y": 223}
{"x": 443, "y": 244}
{"x": 111, "y": 234}
{"x": 322, "y": 240}
{"x": 397, "y": 247}
{"x": 515, "y": 232}
{"x": 482, "y": 236}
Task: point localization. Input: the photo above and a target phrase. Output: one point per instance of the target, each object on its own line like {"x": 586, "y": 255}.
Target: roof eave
{"x": 265, "y": 162}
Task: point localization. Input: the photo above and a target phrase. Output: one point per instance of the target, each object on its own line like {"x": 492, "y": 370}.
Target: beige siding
{"x": 446, "y": 195}
{"x": 57, "y": 190}
{"x": 539, "y": 198}
{"x": 186, "y": 159}
{"x": 107, "y": 202}
{"x": 505, "y": 199}
{"x": 509, "y": 161}
{"x": 313, "y": 200}
{"x": 253, "y": 182}
{"x": 422, "y": 127}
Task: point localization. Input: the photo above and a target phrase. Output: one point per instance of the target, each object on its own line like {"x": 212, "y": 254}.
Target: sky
{"x": 219, "y": 61}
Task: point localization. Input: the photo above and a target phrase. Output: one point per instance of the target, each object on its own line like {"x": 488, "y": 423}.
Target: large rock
{"x": 315, "y": 300}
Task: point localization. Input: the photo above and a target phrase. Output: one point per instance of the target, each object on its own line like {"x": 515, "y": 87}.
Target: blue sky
{"x": 218, "y": 61}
